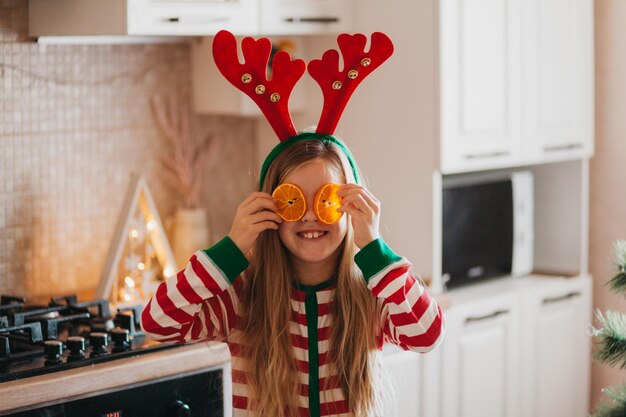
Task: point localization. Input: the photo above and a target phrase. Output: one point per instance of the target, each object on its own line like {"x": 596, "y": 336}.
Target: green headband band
{"x": 299, "y": 138}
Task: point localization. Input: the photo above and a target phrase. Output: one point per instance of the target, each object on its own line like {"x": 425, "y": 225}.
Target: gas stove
{"x": 67, "y": 358}
{"x": 66, "y": 334}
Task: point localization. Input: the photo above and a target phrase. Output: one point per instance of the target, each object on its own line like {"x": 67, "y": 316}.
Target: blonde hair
{"x": 266, "y": 310}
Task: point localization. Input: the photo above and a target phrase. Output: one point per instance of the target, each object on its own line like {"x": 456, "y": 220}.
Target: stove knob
{"x": 76, "y": 345}
{"x": 99, "y": 342}
{"x": 121, "y": 339}
{"x": 181, "y": 409}
{"x": 125, "y": 320}
{"x": 53, "y": 350}
{"x": 99, "y": 324}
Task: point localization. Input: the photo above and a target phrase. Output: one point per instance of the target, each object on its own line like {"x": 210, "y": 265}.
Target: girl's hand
{"x": 256, "y": 214}
{"x": 364, "y": 211}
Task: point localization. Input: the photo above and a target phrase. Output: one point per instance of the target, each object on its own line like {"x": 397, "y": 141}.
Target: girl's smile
{"x": 312, "y": 234}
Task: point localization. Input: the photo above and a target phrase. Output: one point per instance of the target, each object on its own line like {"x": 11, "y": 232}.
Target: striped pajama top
{"x": 202, "y": 303}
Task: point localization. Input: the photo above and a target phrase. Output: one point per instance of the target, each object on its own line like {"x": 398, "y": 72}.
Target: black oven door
{"x": 197, "y": 395}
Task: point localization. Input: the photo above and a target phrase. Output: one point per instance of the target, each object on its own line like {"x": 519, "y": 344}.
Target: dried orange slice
{"x": 290, "y": 201}
{"x": 326, "y": 204}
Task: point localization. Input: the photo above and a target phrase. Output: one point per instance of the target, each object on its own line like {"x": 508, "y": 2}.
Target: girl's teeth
{"x": 312, "y": 235}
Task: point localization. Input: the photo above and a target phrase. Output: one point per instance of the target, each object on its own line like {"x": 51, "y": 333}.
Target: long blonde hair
{"x": 266, "y": 310}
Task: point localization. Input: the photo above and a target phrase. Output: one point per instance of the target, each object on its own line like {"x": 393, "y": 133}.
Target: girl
{"x": 306, "y": 314}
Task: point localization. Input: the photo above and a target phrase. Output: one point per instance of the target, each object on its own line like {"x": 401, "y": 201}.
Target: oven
{"x": 73, "y": 359}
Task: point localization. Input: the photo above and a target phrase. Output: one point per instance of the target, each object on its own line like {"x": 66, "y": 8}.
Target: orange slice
{"x": 326, "y": 204}
{"x": 290, "y": 201}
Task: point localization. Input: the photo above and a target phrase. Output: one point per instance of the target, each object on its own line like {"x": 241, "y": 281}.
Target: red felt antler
{"x": 337, "y": 86}
{"x": 272, "y": 96}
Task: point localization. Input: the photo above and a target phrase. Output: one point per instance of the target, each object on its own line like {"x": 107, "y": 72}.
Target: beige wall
{"x": 608, "y": 167}
{"x": 74, "y": 123}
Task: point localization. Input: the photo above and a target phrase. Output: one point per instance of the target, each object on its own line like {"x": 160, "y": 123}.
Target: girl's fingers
{"x": 352, "y": 211}
{"x": 370, "y": 197}
{"x": 251, "y": 197}
{"x": 260, "y": 227}
{"x": 257, "y": 195}
{"x": 354, "y": 189}
{"x": 260, "y": 204}
{"x": 370, "y": 200}
{"x": 264, "y": 215}
{"x": 359, "y": 202}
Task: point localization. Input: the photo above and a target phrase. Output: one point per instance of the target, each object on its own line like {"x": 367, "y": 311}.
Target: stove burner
{"x": 37, "y": 339}
{"x": 8, "y": 302}
{"x": 20, "y": 338}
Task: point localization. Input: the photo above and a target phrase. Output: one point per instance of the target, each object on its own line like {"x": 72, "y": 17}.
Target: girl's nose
{"x": 309, "y": 214}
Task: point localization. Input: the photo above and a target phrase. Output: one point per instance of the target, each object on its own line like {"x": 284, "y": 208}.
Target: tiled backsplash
{"x": 75, "y": 123}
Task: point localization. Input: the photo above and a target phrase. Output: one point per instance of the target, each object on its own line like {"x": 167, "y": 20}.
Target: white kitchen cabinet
{"x": 403, "y": 372}
{"x": 141, "y": 17}
{"x": 480, "y": 65}
{"x": 480, "y": 358}
{"x": 558, "y": 88}
{"x": 556, "y": 347}
{"x": 76, "y": 18}
{"x": 516, "y": 82}
{"x": 305, "y": 17}
{"x": 517, "y": 347}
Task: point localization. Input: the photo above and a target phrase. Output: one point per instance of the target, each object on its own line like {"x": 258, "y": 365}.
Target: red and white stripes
{"x": 200, "y": 304}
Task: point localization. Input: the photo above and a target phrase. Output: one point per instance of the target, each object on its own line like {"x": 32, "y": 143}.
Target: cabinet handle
{"x": 486, "y": 317}
{"x": 559, "y": 148}
{"x": 561, "y": 298}
{"x": 312, "y": 20}
{"x": 486, "y": 155}
{"x": 196, "y": 20}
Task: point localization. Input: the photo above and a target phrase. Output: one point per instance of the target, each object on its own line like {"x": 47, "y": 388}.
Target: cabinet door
{"x": 302, "y": 17}
{"x": 558, "y": 80}
{"x": 557, "y": 348}
{"x": 403, "y": 372}
{"x": 200, "y": 17}
{"x": 480, "y": 58}
{"x": 480, "y": 359}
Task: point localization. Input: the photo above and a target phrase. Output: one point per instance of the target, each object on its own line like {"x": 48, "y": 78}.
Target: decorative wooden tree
{"x": 611, "y": 340}
{"x": 140, "y": 257}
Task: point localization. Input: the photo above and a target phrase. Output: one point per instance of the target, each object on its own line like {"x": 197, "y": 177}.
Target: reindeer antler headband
{"x": 272, "y": 96}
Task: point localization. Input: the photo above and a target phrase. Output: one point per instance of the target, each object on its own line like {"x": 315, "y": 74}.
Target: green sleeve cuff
{"x": 227, "y": 257}
{"x": 374, "y": 257}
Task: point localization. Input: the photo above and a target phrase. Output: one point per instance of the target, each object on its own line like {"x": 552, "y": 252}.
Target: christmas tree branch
{"x": 611, "y": 343}
{"x": 618, "y": 282}
{"x": 614, "y": 408}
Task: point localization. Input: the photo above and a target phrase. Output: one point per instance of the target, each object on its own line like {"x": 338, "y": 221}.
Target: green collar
{"x": 299, "y": 138}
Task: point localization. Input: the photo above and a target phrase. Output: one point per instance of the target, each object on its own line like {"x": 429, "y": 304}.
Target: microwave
{"x": 487, "y": 223}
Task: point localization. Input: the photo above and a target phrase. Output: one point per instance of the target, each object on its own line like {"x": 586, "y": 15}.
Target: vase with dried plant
{"x": 184, "y": 162}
